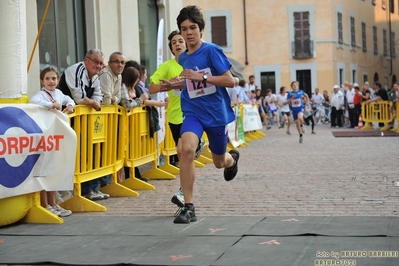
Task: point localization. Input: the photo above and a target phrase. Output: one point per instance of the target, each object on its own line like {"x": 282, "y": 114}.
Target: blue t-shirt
{"x": 212, "y": 110}
{"x": 297, "y": 103}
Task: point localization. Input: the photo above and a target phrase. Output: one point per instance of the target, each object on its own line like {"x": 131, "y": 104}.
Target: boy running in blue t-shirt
{"x": 294, "y": 98}
{"x": 205, "y": 104}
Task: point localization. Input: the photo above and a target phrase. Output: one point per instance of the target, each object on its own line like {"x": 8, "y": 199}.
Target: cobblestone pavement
{"x": 279, "y": 177}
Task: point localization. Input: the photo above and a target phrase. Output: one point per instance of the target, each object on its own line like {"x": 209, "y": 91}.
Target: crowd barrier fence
{"x": 377, "y": 112}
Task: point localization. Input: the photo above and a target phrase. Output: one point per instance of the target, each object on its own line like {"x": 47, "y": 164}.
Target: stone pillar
{"x": 13, "y": 54}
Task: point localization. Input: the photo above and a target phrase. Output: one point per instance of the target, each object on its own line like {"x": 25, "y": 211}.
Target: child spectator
{"x": 52, "y": 98}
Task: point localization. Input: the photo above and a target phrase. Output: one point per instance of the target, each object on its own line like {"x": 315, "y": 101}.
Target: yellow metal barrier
{"x": 168, "y": 148}
{"x": 396, "y": 129}
{"x": 100, "y": 153}
{"x": 142, "y": 149}
{"x": 377, "y": 112}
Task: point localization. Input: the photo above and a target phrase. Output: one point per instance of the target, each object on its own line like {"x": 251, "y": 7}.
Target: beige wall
{"x": 269, "y": 37}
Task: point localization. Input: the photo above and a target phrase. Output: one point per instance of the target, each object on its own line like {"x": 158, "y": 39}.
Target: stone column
{"x": 13, "y": 54}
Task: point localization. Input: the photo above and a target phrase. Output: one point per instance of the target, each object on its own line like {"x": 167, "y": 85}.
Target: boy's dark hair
{"x": 170, "y": 37}
{"x": 252, "y": 76}
{"x": 268, "y": 90}
{"x": 193, "y": 14}
{"x": 282, "y": 88}
{"x": 378, "y": 84}
{"x": 241, "y": 83}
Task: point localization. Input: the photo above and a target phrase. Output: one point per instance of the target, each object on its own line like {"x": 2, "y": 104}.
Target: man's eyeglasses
{"x": 118, "y": 62}
{"x": 96, "y": 61}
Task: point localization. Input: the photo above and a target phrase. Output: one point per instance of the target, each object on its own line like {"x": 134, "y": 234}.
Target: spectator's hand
{"x": 144, "y": 97}
{"x": 96, "y": 105}
{"x": 69, "y": 109}
{"x": 161, "y": 104}
{"x": 57, "y": 106}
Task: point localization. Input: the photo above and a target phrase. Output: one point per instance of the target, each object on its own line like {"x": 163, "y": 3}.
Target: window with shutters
{"x": 384, "y": 42}
{"x": 393, "y": 50}
{"x": 375, "y": 47}
{"x": 353, "y": 32}
{"x": 303, "y": 46}
{"x": 392, "y": 6}
{"x": 218, "y": 26}
{"x": 340, "y": 28}
{"x": 364, "y": 41}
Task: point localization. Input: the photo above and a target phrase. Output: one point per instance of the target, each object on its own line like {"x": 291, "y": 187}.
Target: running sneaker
{"x": 185, "y": 215}
{"x": 303, "y": 129}
{"x": 53, "y": 211}
{"x": 200, "y": 149}
{"x": 300, "y": 139}
{"x": 289, "y": 133}
{"x": 178, "y": 198}
{"x": 62, "y": 211}
{"x": 231, "y": 172}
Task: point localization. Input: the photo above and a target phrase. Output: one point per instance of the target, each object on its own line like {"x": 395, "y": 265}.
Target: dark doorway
{"x": 268, "y": 81}
{"x": 304, "y": 77}
{"x": 375, "y": 78}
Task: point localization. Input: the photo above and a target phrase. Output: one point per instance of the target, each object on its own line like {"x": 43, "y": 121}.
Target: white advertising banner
{"x": 251, "y": 117}
{"x": 161, "y": 96}
{"x": 37, "y": 150}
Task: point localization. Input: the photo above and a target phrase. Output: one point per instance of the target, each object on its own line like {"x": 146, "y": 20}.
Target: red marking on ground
{"x": 2, "y": 240}
{"x": 216, "y": 229}
{"x": 179, "y": 257}
{"x": 271, "y": 242}
{"x": 290, "y": 220}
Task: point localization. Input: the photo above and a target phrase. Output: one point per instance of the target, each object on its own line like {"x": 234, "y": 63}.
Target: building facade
{"x": 318, "y": 43}
{"x": 66, "y": 29}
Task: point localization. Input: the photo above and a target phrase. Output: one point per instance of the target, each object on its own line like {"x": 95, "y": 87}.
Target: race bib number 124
{"x": 200, "y": 88}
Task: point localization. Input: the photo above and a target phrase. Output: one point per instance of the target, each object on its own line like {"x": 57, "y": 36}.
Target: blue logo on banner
{"x": 11, "y": 176}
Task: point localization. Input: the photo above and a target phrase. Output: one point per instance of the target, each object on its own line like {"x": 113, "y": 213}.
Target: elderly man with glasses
{"x": 81, "y": 82}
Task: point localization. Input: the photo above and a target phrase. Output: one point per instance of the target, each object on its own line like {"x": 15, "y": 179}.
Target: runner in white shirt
{"x": 317, "y": 104}
{"x": 284, "y": 108}
{"x": 271, "y": 100}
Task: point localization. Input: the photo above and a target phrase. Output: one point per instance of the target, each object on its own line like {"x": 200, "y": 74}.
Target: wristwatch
{"x": 204, "y": 78}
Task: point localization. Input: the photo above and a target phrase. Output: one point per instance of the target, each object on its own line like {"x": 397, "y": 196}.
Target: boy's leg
{"x": 186, "y": 151}
{"x": 191, "y": 132}
{"x": 221, "y": 159}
